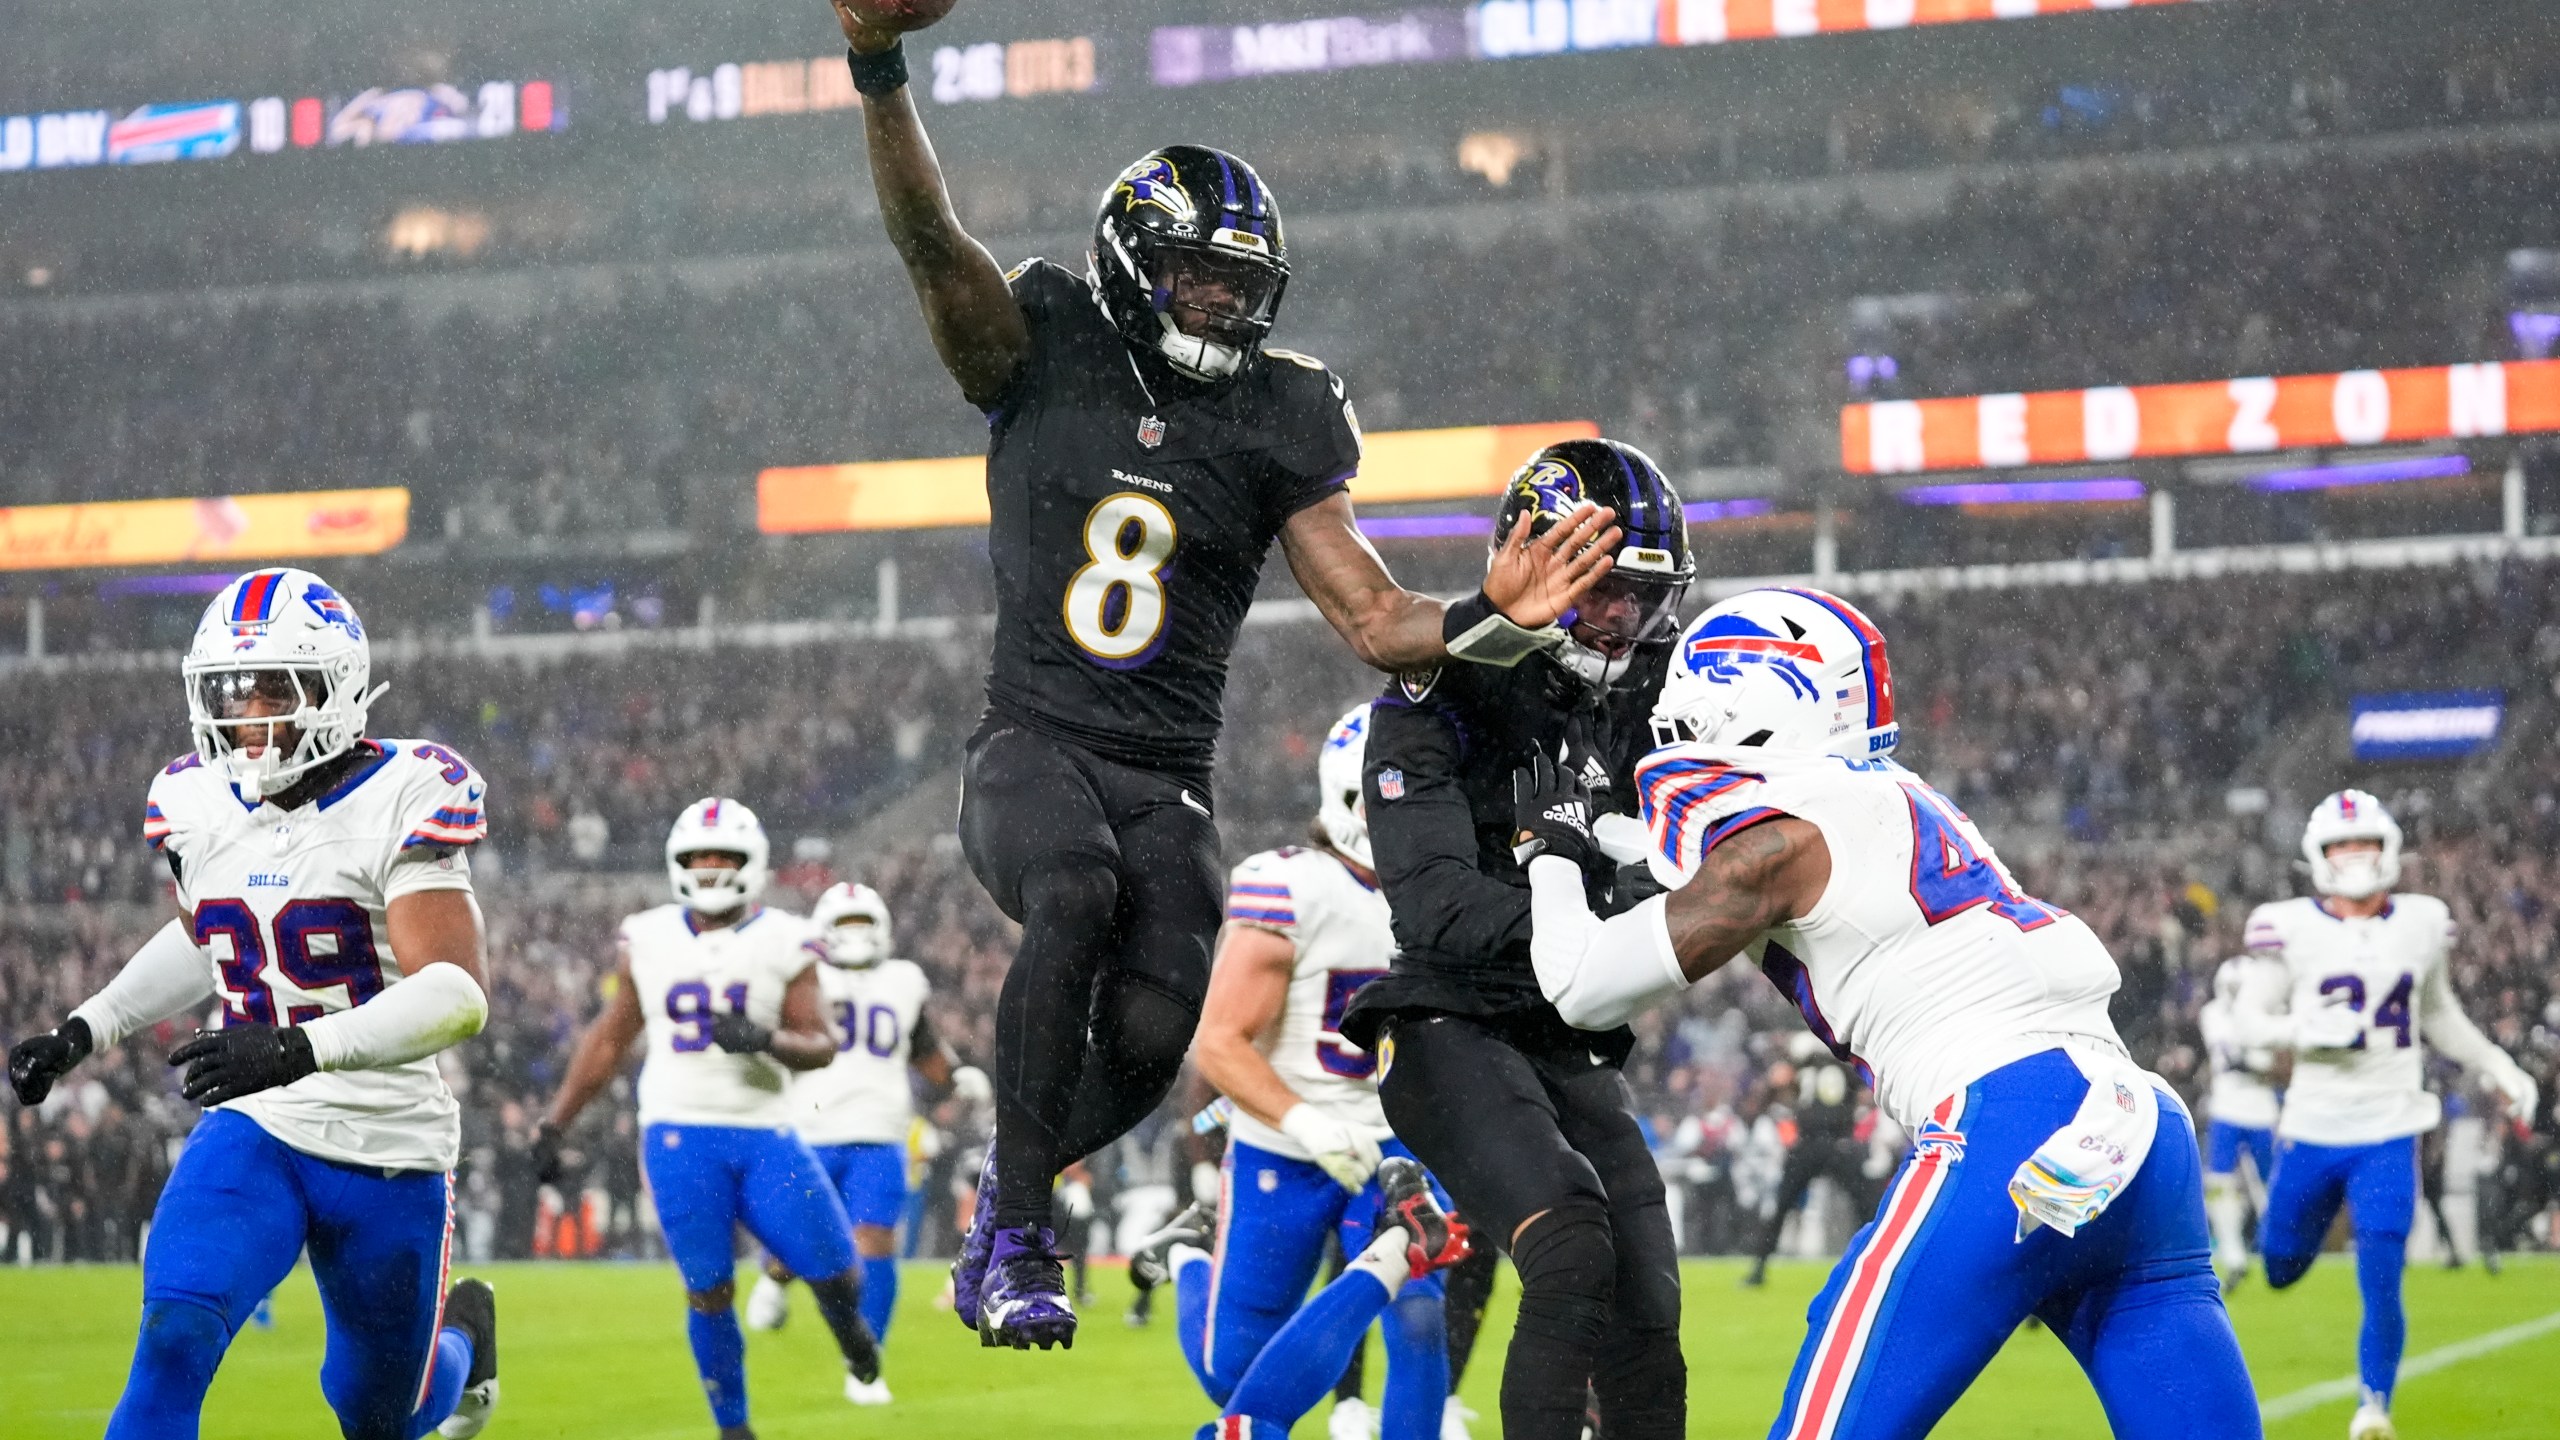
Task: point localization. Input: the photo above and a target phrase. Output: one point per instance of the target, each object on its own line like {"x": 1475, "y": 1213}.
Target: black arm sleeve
{"x": 1424, "y": 841}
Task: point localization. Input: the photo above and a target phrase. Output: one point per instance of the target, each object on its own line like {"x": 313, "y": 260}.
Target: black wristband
{"x": 76, "y": 1031}
{"x": 880, "y": 72}
{"x": 1464, "y": 616}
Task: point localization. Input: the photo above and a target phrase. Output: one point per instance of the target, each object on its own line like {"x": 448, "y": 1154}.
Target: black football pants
{"x": 1841, "y": 1160}
{"x": 1521, "y": 1121}
{"x": 1114, "y": 875}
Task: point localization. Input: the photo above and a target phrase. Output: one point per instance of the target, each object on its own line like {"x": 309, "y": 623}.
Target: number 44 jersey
{"x": 2390, "y": 970}
{"x": 1922, "y": 962}
{"x": 291, "y": 907}
{"x": 686, "y": 976}
{"x": 1344, "y": 937}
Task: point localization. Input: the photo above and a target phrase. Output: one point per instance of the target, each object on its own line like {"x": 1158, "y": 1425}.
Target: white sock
{"x": 1385, "y": 1259}
{"x": 1179, "y": 1255}
{"x": 2223, "y": 1206}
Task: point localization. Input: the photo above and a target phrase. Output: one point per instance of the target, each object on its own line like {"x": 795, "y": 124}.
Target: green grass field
{"x": 599, "y": 1350}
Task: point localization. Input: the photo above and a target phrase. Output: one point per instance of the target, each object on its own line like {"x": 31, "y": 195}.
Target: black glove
{"x": 546, "y": 1154}
{"x": 239, "y": 1060}
{"x": 39, "y": 1060}
{"x": 1551, "y": 815}
{"x": 739, "y": 1035}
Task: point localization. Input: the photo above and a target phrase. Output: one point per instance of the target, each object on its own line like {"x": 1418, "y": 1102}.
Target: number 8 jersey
{"x": 1922, "y": 962}
{"x": 684, "y": 977}
{"x": 1344, "y": 938}
{"x": 290, "y": 909}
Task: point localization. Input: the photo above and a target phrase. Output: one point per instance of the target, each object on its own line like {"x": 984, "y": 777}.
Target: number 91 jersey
{"x": 1922, "y": 962}
{"x": 1129, "y": 520}
{"x": 863, "y": 1097}
{"x": 684, "y": 977}
{"x": 291, "y": 909}
{"x": 1344, "y": 937}
{"x": 2383, "y": 969}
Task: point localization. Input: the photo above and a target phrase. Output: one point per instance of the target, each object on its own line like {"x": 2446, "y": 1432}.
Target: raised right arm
{"x": 977, "y": 328}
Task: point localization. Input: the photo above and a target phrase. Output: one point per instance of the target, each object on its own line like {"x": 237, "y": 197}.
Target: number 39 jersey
{"x": 863, "y": 1097}
{"x": 1128, "y": 524}
{"x": 291, "y": 909}
{"x": 1344, "y": 938}
{"x": 1922, "y": 961}
{"x": 684, "y": 977}
{"x": 2391, "y": 970}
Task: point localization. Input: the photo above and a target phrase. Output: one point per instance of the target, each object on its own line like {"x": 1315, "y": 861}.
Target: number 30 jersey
{"x": 2391, "y": 970}
{"x": 1128, "y": 523}
{"x": 683, "y": 977}
{"x": 1344, "y": 938}
{"x": 863, "y": 1097}
{"x": 291, "y": 910}
{"x": 1922, "y": 962}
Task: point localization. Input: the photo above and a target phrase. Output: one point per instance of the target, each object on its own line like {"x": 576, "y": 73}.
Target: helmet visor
{"x": 1211, "y": 295}
{"x": 245, "y": 707}
{"x": 1626, "y": 610}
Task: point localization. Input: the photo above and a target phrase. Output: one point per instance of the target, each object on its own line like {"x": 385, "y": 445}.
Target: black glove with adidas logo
{"x": 1551, "y": 815}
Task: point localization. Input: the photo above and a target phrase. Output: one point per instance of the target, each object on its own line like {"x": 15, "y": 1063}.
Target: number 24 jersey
{"x": 1922, "y": 960}
{"x": 1129, "y": 520}
{"x": 291, "y": 909}
{"x": 2390, "y": 969}
{"x": 684, "y": 977}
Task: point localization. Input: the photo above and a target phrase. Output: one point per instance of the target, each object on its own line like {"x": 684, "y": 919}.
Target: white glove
{"x": 971, "y": 1084}
{"x": 2524, "y": 1098}
{"x": 2328, "y": 1027}
{"x": 1349, "y": 1157}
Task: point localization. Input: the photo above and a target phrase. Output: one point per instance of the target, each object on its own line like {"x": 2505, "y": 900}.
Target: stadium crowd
{"x": 2151, "y": 780}
{"x": 1708, "y": 329}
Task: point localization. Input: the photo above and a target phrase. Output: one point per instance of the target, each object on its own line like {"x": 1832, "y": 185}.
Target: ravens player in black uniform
{"x": 1147, "y": 448}
{"x": 1525, "y": 1119}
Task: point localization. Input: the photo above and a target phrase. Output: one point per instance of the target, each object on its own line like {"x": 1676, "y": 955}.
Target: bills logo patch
{"x": 1936, "y": 1141}
{"x": 1390, "y": 784}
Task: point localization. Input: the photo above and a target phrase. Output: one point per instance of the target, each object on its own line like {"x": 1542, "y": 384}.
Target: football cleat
{"x": 1436, "y": 1238}
{"x": 1025, "y": 1300}
{"x": 2372, "y": 1420}
{"x": 769, "y": 1304}
{"x": 1352, "y": 1419}
{"x": 866, "y": 1392}
{"x": 977, "y": 1246}
{"x": 472, "y": 1308}
{"x": 1151, "y": 1263}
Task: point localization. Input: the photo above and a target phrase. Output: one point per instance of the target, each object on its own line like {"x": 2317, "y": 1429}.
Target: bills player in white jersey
{"x": 2241, "y": 1115}
{"x": 2359, "y": 988}
{"x": 1309, "y": 1153}
{"x": 726, "y": 990}
{"x": 857, "y": 1112}
{"x": 326, "y": 901}
{"x": 2050, "y": 1176}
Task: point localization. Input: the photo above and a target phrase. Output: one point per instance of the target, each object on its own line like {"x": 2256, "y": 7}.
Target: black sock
{"x": 840, "y": 1302}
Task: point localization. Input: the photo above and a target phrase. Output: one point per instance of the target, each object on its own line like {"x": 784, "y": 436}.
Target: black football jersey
{"x": 1128, "y": 529}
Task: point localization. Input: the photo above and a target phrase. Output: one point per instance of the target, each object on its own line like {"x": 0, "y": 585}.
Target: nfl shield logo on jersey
{"x": 1391, "y": 784}
{"x": 1151, "y": 431}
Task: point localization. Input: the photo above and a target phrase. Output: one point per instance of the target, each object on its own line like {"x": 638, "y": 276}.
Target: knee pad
{"x": 1145, "y": 1023}
{"x": 1072, "y": 894}
{"x": 1568, "y": 1264}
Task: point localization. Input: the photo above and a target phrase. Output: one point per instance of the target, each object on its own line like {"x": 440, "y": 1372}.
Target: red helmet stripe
{"x": 1879, "y": 675}
{"x": 257, "y": 596}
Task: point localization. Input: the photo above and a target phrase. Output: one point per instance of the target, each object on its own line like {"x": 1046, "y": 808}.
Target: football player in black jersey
{"x": 1146, "y": 450}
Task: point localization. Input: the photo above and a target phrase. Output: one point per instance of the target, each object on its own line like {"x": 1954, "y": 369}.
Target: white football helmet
{"x": 725, "y": 827}
{"x": 2351, "y": 815}
{"x": 1340, "y": 813}
{"x": 855, "y": 922}
{"x": 277, "y": 648}
{"x": 1785, "y": 668}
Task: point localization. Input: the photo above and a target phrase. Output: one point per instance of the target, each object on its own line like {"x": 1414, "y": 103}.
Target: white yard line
{"x": 2312, "y": 1397}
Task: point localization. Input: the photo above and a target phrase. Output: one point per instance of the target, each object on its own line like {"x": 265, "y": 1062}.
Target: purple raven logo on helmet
{"x": 1556, "y": 485}
{"x": 1152, "y": 181}
{"x": 1728, "y": 642}
{"x": 324, "y": 602}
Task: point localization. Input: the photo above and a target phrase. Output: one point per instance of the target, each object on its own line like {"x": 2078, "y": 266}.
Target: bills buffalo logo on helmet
{"x": 324, "y": 602}
{"x": 1727, "y": 643}
{"x": 1152, "y": 182}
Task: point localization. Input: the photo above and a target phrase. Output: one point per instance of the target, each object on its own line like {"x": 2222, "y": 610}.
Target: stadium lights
{"x": 2380, "y": 472}
{"x": 2116, "y": 489}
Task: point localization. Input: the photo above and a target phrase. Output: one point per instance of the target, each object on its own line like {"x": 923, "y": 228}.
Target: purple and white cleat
{"x": 977, "y": 1246}
{"x": 1025, "y": 1302}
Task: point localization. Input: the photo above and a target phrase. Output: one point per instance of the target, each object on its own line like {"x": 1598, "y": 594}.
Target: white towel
{"x": 2085, "y": 1165}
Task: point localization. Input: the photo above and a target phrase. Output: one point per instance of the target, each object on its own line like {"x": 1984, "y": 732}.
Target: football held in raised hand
{"x": 899, "y": 15}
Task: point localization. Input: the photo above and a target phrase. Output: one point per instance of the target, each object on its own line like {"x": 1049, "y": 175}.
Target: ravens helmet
{"x": 1188, "y": 259}
{"x": 1638, "y": 602}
